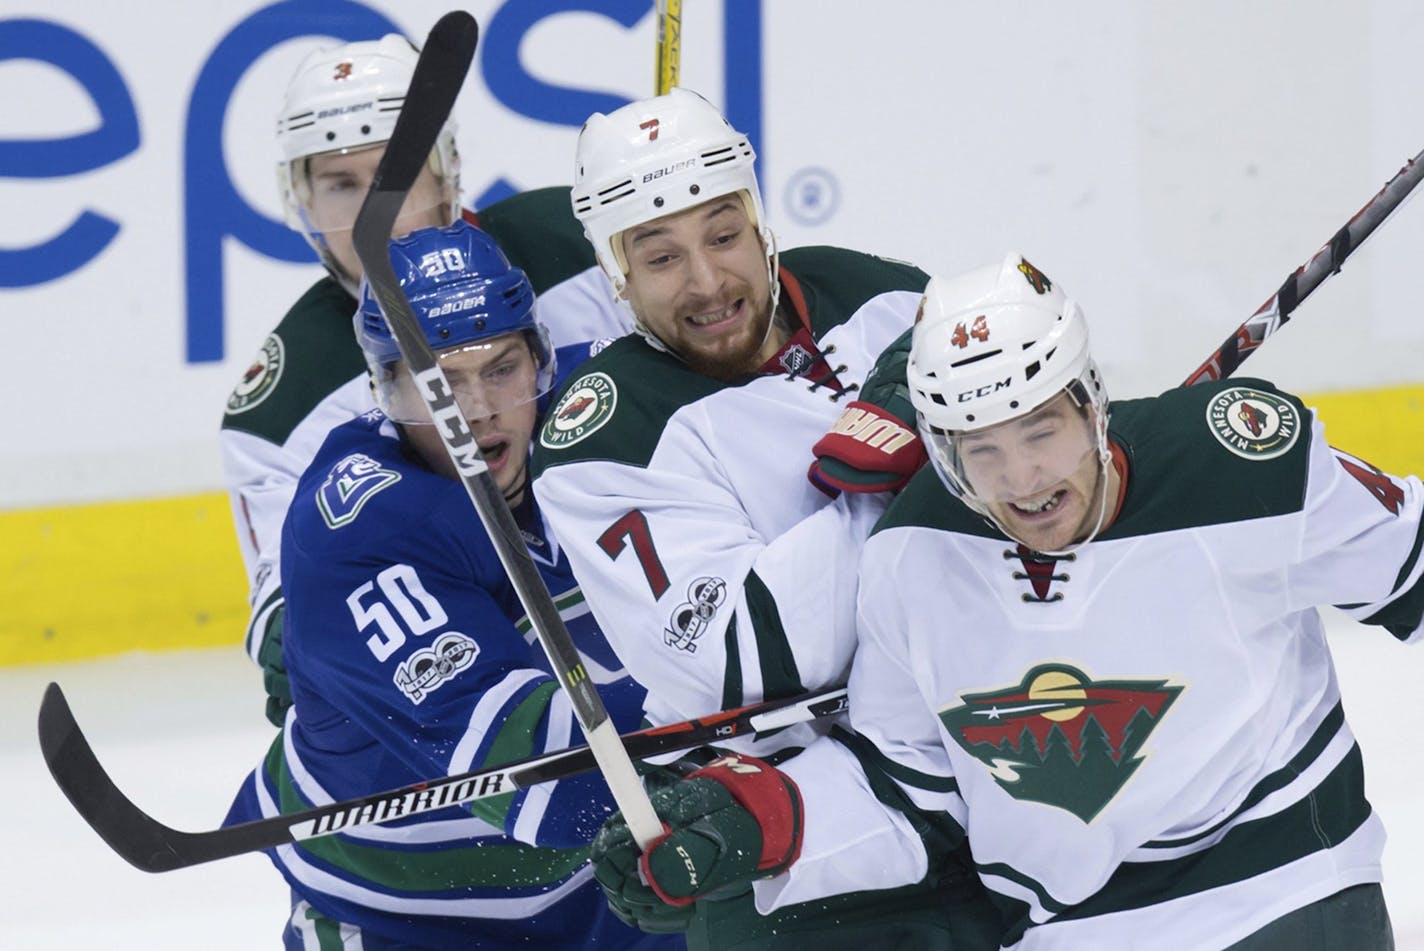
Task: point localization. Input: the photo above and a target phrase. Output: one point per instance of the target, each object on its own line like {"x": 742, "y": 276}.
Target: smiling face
{"x": 1039, "y": 476}
{"x": 496, "y": 382}
{"x": 334, "y": 187}
{"x": 699, "y": 281}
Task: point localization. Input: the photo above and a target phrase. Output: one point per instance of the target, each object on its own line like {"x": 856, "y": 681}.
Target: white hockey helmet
{"x": 656, "y": 157}
{"x": 342, "y": 99}
{"x": 991, "y": 346}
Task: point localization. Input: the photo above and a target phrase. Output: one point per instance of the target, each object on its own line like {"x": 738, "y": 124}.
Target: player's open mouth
{"x": 714, "y": 317}
{"x": 1039, "y": 506}
{"x": 494, "y": 453}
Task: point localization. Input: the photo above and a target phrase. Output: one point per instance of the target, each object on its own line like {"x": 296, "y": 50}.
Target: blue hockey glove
{"x": 874, "y": 446}
{"x": 733, "y": 821}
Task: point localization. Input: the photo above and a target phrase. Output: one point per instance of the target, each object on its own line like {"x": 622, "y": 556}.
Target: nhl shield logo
{"x": 796, "y": 360}
{"x": 260, "y": 379}
{"x": 1253, "y": 424}
{"x": 584, "y": 408}
{"x": 1060, "y": 738}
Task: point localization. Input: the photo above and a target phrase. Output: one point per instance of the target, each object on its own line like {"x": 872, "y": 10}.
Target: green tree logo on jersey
{"x": 1060, "y": 738}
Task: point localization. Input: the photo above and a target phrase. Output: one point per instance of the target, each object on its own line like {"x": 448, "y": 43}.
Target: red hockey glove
{"x": 873, "y": 447}
{"x": 735, "y": 820}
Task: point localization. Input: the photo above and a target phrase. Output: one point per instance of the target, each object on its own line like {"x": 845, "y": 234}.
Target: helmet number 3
{"x": 979, "y": 330}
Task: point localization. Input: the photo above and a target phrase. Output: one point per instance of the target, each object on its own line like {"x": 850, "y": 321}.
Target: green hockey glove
{"x": 274, "y": 672}
{"x": 874, "y": 446}
{"x": 735, "y": 820}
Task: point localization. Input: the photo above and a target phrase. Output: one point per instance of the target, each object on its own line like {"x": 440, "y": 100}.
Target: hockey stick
{"x": 151, "y": 846}
{"x": 669, "y": 58}
{"x": 439, "y": 73}
{"x": 1275, "y": 312}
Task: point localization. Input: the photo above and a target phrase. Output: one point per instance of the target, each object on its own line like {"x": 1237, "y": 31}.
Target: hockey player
{"x": 406, "y": 653}
{"x": 673, "y": 469}
{"x": 1089, "y": 640}
{"x": 340, "y": 108}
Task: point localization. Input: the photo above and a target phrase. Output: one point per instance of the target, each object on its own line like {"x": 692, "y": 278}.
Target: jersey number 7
{"x": 633, "y": 526}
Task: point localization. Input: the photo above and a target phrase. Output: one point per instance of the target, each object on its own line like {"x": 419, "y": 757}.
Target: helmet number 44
{"x": 979, "y": 330}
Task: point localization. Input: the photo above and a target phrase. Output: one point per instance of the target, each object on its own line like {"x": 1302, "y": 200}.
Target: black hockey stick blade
{"x": 141, "y": 840}
{"x": 439, "y": 73}
{"x": 151, "y": 846}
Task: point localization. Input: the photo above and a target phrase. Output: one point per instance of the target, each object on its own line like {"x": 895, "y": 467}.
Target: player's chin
{"x": 1051, "y": 531}
{"x": 725, "y": 359}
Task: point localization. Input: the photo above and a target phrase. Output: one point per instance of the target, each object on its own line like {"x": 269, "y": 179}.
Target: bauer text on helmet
{"x": 1011, "y": 405}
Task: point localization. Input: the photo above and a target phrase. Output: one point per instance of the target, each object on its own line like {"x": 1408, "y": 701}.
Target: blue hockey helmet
{"x": 465, "y": 294}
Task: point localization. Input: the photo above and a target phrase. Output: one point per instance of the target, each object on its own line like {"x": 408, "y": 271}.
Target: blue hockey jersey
{"x": 408, "y": 656}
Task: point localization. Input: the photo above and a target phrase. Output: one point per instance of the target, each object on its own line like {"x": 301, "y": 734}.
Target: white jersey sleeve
{"x": 1356, "y": 517}
{"x": 261, "y": 476}
{"x": 740, "y": 613}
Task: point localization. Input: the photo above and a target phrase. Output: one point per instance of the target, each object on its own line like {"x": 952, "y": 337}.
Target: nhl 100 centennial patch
{"x": 584, "y": 408}
{"x": 1253, "y": 424}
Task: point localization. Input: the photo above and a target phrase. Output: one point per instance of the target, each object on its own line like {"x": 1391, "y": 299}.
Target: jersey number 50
{"x": 400, "y": 588}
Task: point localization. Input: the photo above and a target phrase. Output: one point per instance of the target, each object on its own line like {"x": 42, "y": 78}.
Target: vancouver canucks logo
{"x": 350, "y": 485}
{"x": 1036, "y": 278}
{"x": 583, "y": 409}
{"x": 1253, "y": 424}
{"x": 259, "y": 379}
{"x": 1059, "y": 737}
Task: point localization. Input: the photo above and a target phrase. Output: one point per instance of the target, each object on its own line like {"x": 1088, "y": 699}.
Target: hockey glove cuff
{"x": 735, "y": 820}
{"x": 874, "y": 446}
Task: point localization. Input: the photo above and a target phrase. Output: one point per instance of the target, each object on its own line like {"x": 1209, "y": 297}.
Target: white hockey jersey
{"x": 1144, "y": 737}
{"x": 718, "y": 572}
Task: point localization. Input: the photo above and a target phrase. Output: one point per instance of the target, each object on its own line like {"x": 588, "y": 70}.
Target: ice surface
{"x": 179, "y": 731}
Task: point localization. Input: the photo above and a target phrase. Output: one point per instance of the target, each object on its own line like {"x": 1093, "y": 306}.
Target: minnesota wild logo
{"x": 1036, "y": 278}
{"x": 1059, "y": 737}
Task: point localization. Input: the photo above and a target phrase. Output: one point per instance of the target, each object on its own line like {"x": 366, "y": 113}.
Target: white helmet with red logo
{"x": 656, "y": 157}
{"x": 346, "y": 98}
{"x": 993, "y": 345}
